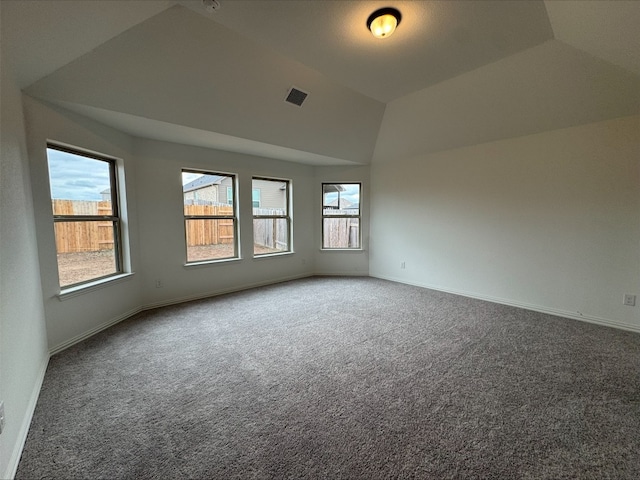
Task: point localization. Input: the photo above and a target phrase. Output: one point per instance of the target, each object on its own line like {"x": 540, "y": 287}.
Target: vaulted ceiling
{"x": 172, "y": 71}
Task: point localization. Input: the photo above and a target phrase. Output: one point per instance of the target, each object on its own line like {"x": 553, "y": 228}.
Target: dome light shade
{"x": 383, "y": 22}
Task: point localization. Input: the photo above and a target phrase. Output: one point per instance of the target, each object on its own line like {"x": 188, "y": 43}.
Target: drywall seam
{"x": 14, "y": 460}
{"x": 536, "y": 308}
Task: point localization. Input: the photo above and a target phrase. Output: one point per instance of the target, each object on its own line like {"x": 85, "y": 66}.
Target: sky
{"x": 73, "y": 177}
{"x": 189, "y": 177}
{"x": 351, "y": 193}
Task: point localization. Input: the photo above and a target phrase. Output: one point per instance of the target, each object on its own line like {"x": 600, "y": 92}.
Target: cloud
{"x": 351, "y": 193}
{"x": 74, "y": 177}
{"x": 189, "y": 177}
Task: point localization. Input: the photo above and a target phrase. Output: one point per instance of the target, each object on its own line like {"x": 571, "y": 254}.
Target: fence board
{"x": 270, "y": 232}
{"x": 209, "y": 232}
{"x": 341, "y": 232}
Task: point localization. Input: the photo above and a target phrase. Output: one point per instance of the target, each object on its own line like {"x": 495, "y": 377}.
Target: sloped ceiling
{"x": 435, "y": 41}
{"x": 168, "y": 69}
{"x": 40, "y": 36}
{"x": 547, "y": 87}
{"x": 216, "y": 80}
{"x": 608, "y": 30}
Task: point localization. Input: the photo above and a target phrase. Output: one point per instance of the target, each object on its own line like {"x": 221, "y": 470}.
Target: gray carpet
{"x": 341, "y": 378}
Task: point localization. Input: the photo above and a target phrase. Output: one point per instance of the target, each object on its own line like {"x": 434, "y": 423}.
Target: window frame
{"x": 358, "y": 216}
{"x": 233, "y": 217}
{"x": 115, "y": 218}
{"x": 287, "y": 216}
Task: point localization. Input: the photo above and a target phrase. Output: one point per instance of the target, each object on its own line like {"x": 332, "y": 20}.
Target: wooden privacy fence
{"x": 90, "y": 236}
{"x": 341, "y": 232}
{"x": 93, "y": 236}
{"x": 270, "y": 232}
{"x": 209, "y": 232}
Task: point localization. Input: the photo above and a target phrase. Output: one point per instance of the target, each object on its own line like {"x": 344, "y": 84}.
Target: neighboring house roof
{"x": 332, "y": 187}
{"x": 202, "y": 182}
{"x": 106, "y": 190}
{"x": 344, "y": 204}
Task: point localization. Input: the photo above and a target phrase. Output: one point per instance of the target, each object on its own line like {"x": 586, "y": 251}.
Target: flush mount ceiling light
{"x": 383, "y": 22}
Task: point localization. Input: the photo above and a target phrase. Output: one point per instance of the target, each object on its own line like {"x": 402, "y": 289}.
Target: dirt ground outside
{"x": 84, "y": 266}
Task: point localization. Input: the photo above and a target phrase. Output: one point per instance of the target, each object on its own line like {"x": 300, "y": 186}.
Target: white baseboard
{"x": 341, "y": 274}
{"x": 247, "y": 286}
{"x": 103, "y": 326}
{"x": 536, "y": 308}
{"x": 14, "y": 460}
{"x": 89, "y": 333}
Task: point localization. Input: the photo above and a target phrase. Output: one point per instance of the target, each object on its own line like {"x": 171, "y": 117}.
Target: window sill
{"x": 206, "y": 263}
{"x": 271, "y": 255}
{"x": 71, "y": 292}
{"x": 343, "y": 250}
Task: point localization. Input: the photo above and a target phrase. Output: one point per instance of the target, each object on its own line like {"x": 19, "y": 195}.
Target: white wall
{"x": 161, "y": 223}
{"x": 154, "y": 221}
{"x": 23, "y": 341}
{"x": 342, "y": 262}
{"x": 90, "y": 311}
{"x": 548, "y": 221}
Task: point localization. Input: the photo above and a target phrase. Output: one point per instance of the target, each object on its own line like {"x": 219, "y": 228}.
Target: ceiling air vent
{"x": 296, "y": 97}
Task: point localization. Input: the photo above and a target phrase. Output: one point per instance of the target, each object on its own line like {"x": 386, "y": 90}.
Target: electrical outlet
{"x": 403, "y": 265}
{"x": 1, "y": 416}
{"x": 159, "y": 284}
{"x": 629, "y": 300}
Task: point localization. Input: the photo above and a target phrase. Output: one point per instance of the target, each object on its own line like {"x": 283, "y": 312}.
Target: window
{"x": 341, "y": 215}
{"x": 271, "y": 218}
{"x": 84, "y": 198}
{"x": 255, "y": 197}
{"x": 210, "y": 226}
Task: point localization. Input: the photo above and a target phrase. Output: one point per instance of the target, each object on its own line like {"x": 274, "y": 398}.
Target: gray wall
{"x": 23, "y": 341}
{"x": 548, "y": 221}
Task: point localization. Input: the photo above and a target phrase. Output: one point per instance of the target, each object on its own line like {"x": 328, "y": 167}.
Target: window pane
{"x": 270, "y": 235}
{"x": 85, "y": 250}
{"x": 341, "y": 233}
{"x": 210, "y": 239}
{"x": 269, "y": 195}
{"x": 201, "y": 189}
{"x": 79, "y": 185}
{"x": 255, "y": 197}
{"x": 341, "y": 199}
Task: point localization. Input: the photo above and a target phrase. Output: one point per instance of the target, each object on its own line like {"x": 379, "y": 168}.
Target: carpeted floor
{"x": 341, "y": 378}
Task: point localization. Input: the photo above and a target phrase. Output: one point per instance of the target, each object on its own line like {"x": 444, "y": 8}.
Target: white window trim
{"x": 233, "y": 217}
{"x": 287, "y": 216}
{"x": 359, "y": 248}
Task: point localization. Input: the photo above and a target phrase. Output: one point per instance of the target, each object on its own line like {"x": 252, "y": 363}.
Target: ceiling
{"x": 435, "y": 40}
{"x": 250, "y": 52}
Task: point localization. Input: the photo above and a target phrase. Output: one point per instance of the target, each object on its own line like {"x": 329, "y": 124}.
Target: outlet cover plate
{"x": 629, "y": 300}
